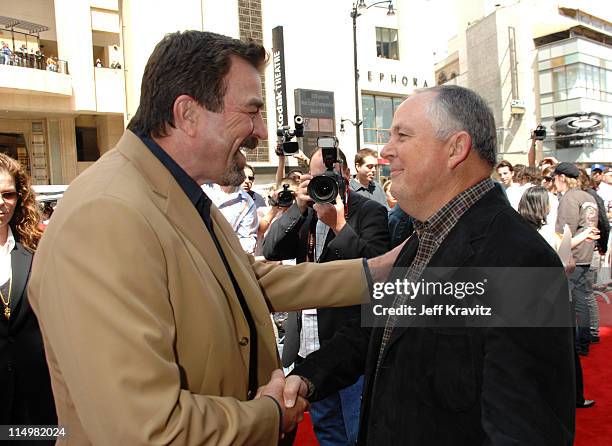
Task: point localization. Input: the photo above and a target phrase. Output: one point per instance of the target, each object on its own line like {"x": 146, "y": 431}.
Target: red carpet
{"x": 305, "y": 435}
{"x": 594, "y": 425}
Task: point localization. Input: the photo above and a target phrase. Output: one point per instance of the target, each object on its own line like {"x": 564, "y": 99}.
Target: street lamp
{"x": 361, "y": 6}
{"x": 343, "y": 120}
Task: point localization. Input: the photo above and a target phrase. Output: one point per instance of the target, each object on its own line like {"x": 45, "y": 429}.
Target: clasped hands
{"x": 290, "y": 394}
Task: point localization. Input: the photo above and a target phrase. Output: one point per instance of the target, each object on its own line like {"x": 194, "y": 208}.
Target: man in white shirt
{"x": 514, "y": 192}
{"x": 239, "y": 210}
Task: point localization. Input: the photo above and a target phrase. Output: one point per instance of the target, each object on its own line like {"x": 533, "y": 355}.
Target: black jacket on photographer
{"x": 365, "y": 234}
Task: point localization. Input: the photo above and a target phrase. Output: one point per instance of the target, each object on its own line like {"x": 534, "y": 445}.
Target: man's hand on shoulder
{"x": 380, "y": 267}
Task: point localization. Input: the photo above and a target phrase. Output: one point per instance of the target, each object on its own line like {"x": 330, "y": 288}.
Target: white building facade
{"x": 59, "y": 122}
{"x": 538, "y": 62}
{"x": 393, "y": 60}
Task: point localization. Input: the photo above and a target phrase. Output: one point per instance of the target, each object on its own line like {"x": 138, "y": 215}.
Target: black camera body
{"x": 285, "y": 197}
{"x": 286, "y": 135}
{"x": 324, "y": 188}
{"x": 540, "y": 133}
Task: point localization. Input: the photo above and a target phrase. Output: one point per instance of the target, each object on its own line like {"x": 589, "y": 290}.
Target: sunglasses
{"x": 9, "y": 195}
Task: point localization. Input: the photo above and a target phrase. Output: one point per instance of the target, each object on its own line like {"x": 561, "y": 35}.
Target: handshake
{"x": 290, "y": 394}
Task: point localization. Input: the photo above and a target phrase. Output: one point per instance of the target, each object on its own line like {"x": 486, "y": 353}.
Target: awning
{"x": 29, "y": 27}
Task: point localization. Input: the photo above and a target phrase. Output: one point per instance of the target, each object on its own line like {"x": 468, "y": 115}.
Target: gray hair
{"x": 454, "y": 109}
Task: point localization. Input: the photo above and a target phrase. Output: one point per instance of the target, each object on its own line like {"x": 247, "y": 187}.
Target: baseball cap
{"x": 598, "y": 167}
{"x": 567, "y": 169}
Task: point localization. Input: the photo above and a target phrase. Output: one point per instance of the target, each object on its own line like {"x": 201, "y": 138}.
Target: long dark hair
{"x": 535, "y": 205}
{"x": 26, "y": 218}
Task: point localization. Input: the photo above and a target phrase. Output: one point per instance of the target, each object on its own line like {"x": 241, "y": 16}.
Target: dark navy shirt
{"x": 194, "y": 192}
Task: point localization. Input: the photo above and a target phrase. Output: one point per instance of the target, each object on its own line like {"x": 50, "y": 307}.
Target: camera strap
{"x": 312, "y": 229}
{"x": 346, "y": 198}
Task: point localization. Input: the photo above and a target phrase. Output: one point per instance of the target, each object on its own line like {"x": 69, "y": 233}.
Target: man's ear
{"x": 185, "y": 112}
{"x": 459, "y": 149}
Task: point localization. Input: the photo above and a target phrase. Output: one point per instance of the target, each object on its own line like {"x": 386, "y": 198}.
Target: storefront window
{"x": 377, "y": 117}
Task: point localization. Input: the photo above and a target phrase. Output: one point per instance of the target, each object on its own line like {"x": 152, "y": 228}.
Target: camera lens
{"x": 323, "y": 189}
{"x": 285, "y": 197}
{"x": 291, "y": 147}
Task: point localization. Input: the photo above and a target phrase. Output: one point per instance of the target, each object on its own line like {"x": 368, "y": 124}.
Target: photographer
{"x": 322, "y": 233}
{"x": 280, "y": 197}
{"x": 294, "y": 173}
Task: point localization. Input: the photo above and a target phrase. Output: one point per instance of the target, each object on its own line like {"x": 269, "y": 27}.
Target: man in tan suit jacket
{"x": 156, "y": 325}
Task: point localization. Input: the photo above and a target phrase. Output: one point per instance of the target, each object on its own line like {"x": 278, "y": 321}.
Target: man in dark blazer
{"x": 470, "y": 385}
{"x": 357, "y": 229}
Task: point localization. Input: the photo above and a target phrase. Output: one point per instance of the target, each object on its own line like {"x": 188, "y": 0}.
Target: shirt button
{"x": 243, "y": 341}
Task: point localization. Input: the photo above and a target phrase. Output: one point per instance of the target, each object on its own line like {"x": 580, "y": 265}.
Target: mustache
{"x": 250, "y": 143}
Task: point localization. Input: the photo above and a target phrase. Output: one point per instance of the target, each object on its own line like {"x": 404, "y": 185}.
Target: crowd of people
{"x": 580, "y": 201}
{"x": 562, "y": 201}
{"x": 114, "y": 65}
{"x": 29, "y": 58}
{"x": 155, "y": 312}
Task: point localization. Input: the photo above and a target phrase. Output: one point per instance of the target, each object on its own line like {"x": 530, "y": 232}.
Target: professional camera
{"x": 540, "y": 133}
{"x": 285, "y": 197}
{"x": 325, "y": 188}
{"x": 286, "y": 135}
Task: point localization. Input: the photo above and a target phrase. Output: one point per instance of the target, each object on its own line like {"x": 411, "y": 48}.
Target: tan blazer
{"x": 145, "y": 337}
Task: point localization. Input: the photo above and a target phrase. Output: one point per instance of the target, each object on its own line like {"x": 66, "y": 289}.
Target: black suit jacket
{"x": 462, "y": 386}
{"x": 366, "y": 235}
{"x": 25, "y": 387}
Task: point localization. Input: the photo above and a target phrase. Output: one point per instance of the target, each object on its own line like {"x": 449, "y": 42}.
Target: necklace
{"x": 7, "y": 301}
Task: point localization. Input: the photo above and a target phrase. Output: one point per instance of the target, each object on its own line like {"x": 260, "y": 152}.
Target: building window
{"x": 377, "y": 116}
{"x": 87, "y": 144}
{"x": 387, "y": 45}
{"x": 581, "y": 81}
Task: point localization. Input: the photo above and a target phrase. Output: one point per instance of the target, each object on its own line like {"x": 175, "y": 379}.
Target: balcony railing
{"x": 30, "y": 60}
{"x": 25, "y": 79}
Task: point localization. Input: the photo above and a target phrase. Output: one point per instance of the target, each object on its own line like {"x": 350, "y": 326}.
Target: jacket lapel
{"x": 330, "y": 236}
{"x": 241, "y": 268}
{"x": 173, "y": 202}
{"x": 240, "y": 264}
{"x": 21, "y": 261}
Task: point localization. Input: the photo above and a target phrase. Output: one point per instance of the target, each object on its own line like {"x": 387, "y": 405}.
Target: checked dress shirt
{"x": 430, "y": 235}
